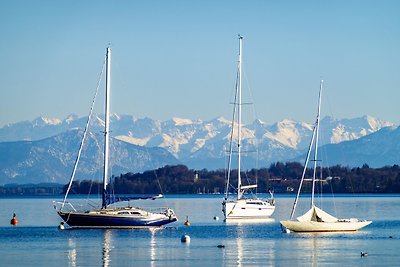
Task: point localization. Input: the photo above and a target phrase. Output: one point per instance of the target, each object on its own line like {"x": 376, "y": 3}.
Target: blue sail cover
{"x": 110, "y": 199}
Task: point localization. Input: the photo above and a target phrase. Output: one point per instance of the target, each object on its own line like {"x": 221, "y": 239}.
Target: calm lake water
{"x": 36, "y": 241}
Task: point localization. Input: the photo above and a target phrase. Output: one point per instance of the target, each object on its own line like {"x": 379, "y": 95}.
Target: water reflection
{"x": 153, "y": 255}
{"x": 322, "y": 248}
{"x": 239, "y": 244}
{"x": 72, "y": 255}
{"x": 213, "y": 242}
{"x": 251, "y": 245}
{"x": 107, "y": 235}
{"x": 249, "y": 221}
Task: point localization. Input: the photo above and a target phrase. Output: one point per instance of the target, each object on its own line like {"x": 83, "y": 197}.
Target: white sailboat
{"x": 242, "y": 207}
{"x": 109, "y": 216}
{"x": 315, "y": 219}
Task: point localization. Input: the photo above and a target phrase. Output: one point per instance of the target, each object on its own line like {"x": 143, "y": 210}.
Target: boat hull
{"x": 89, "y": 220}
{"x": 313, "y": 226}
{"x": 247, "y": 209}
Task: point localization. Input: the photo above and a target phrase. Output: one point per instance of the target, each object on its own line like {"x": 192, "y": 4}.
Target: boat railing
{"x": 66, "y": 206}
{"x": 271, "y": 201}
{"x": 163, "y": 210}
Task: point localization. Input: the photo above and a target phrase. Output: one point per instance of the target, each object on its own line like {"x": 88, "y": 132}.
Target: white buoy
{"x": 216, "y": 218}
{"x": 185, "y": 239}
{"x": 61, "y": 226}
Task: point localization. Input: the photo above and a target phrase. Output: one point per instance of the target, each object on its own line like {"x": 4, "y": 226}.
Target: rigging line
{"x": 321, "y": 184}
{"x": 225, "y": 173}
{"x": 90, "y": 190}
{"x": 325, "y": 140}
{"x": 328, "y": 172}
{"x": 255, "y": 116}
{"x": 250, "y": 90}
{"x": 231, "y": 137}
{"x": 316, "y": 142}
{"x": 94, "y": 175}
{"x": 304, "y": 172}
{"x": 84, "y": 135}
{"x": 99, "y": 165}
{"x": 332, "y": 193}
{"x": 156, "y": 176}
{"x": 256, "y": 150}
{"x": 323, "y": 157}
{"x": 160, "y": 187}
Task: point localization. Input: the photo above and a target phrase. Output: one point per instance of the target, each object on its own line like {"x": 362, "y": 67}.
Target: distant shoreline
{"x": 50, "y": 190}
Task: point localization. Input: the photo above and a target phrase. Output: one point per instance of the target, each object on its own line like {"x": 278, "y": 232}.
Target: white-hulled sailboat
{"x": 107, "y": 216}
{"x": 242, "y": 207}
{"x": 315, "y": 219}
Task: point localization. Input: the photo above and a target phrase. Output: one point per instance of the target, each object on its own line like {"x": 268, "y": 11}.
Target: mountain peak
{"x": 258, "y": 122}
{"x": 375, "y": 123}
{"x": 222, "y": 120}
{"x": 70, "y": 118}
{"x": 41, "y": 121}
{"x": 180, "y": 121}
{"x": 286, "y": 123}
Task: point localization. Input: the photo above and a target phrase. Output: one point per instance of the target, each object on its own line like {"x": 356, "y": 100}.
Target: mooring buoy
{"x": 61, "y": 226}
{"x": 185, "y": 239}
{"x": 14, "y": 220}
{"x": 187, "y": 223}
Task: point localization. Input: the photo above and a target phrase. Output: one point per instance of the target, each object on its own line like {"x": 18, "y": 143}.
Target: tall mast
{"x": 316, "y": 143}
{"x": 240, "y": 192}
{"x": 106, "y": 126}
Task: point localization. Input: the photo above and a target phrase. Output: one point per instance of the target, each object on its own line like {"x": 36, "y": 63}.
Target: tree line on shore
{"x": 279, "y": 177}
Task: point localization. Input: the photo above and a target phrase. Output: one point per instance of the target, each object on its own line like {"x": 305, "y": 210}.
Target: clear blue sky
{"x": 178, "y": 58}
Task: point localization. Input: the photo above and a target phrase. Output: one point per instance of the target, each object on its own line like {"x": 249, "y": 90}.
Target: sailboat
{"x": 315, "y": 219}
{"x": 109, "y": 216}
{"x": 242, "y": 207}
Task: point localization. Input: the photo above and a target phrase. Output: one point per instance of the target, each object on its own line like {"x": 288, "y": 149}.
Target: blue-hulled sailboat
{"x": 107, "y": 216}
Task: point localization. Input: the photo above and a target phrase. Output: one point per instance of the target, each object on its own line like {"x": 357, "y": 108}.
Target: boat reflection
{"x": 107, "y": 235}
{"x": 153, "y": 256}
{"x": 249, "y": 221}
{"x": 72, "y": 254}
{"x": 321, "y": 248}
{"x": 239, "y": 244}
{"x": 244, "y": 248}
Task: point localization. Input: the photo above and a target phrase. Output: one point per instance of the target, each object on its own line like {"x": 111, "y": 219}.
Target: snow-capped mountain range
{"x": 52, "y": 159}
{"x": 196, "y": 143}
